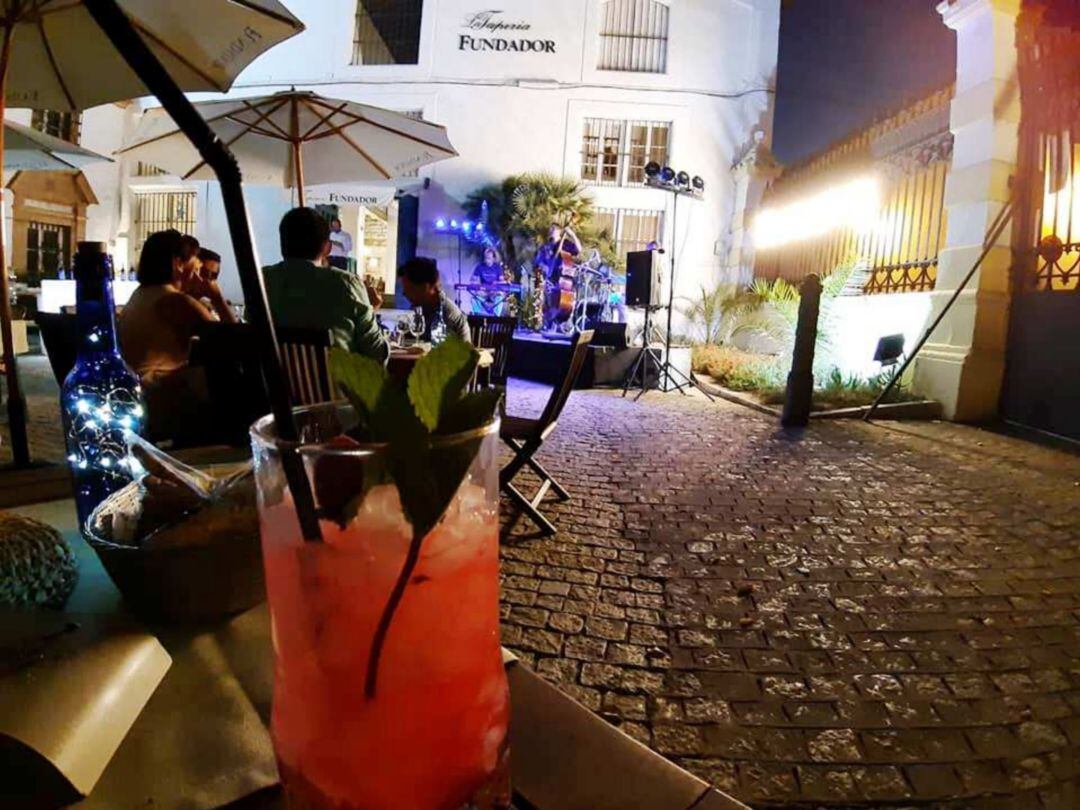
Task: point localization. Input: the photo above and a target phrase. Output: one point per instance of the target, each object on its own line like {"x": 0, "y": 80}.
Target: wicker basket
{"x": 218, "y": 576}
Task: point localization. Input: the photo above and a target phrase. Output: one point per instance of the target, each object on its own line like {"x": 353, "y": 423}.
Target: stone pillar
{"x": 963, "y": 363}
{"x": 752, "y": 173}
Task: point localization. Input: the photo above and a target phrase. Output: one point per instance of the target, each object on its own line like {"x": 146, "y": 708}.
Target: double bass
{"x": 564, "y": 305}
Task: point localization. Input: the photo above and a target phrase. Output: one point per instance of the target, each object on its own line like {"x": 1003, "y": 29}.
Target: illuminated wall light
{"x": 855, "y": 205}
{"x": 440, "y": 224}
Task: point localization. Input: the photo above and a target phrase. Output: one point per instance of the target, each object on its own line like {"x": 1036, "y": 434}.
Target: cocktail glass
{"x": 433, "y": 736}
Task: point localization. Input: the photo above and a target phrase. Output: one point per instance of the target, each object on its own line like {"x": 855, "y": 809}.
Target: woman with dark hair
{"x": 158, "y": 322}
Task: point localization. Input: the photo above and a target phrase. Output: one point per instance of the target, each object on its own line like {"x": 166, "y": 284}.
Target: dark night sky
{"x": 843, "y": 62}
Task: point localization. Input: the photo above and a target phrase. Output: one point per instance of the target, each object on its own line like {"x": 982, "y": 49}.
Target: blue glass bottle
{"x": 101, "y": 399}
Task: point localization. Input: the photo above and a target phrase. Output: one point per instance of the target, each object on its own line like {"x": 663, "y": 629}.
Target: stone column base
{"x": 966, "y": 381}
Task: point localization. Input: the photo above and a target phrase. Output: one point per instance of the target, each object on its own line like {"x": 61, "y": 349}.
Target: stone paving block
{"x": 834, "y": 745}
{"x": 934, "y": 781}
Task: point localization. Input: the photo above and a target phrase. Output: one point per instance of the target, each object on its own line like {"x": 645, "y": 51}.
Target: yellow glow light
{"x": 854, "y": 204}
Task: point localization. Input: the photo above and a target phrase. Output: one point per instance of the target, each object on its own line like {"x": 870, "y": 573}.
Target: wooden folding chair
{"x": 489, "y": 332}
{"x": 304, "y": 356}
{"x": 526, "y": 436}
{"x": 229, "y": 355}
{"x": 59, "y": 334}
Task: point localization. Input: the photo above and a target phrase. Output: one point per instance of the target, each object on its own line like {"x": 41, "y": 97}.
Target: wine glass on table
{"x": 416, "y": 324}
{"x": 402, "y": 329}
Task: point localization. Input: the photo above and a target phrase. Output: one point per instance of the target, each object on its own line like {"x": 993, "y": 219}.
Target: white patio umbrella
{"x": 296, "y": 138}
{"x": 27, "y": 150}
{"x": 54, "y": 55}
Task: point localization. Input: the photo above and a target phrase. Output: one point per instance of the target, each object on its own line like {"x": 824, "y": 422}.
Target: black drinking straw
{"x": 118, "y": 28}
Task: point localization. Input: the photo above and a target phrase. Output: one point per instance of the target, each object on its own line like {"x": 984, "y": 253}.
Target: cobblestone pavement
{"x": 858, "y": 616}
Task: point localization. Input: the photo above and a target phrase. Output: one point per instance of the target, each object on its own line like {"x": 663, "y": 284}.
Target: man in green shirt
{"x": 304, "y": 293}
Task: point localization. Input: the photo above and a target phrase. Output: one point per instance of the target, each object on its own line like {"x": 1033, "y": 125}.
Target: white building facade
{"x": 591, "y": 89}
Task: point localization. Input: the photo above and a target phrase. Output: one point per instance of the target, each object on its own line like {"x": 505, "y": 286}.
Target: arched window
{"x": 633, "y": 36}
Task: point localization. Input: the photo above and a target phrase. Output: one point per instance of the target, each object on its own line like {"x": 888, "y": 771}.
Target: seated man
{"x": 420, "y": 283}
{"x": 304, "y": 293}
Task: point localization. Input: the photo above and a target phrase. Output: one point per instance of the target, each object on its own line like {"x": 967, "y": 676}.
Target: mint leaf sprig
{"x": 406, "y": 418}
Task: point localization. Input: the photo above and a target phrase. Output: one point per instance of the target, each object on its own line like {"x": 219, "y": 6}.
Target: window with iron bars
{"x": 58, "y": 123}
{"x": 159, "y": 211}
{"x": 48, "y": 248}
{"x": 633, "y": 36}
{"x": 630, "y": 228}
{"x": 148, "y": 170}
{"x": 387, "y": 32}
{"x": 614, "y": 153}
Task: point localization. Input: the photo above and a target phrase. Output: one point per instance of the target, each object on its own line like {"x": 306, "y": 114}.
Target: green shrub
{"x": 735, "y": 369}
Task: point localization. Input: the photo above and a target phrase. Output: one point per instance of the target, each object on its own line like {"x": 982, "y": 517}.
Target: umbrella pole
{"x": 16, "y": 402}
{"x": 298, "y": 162}
{"x": 297, "y": 154}
{"x": 130, "y": 46}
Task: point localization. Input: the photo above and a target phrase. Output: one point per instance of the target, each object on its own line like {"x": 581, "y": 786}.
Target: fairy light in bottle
{"x": 100, "y": 400}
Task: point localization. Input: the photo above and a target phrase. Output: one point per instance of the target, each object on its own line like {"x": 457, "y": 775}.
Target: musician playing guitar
{"x": 557, "y": 257}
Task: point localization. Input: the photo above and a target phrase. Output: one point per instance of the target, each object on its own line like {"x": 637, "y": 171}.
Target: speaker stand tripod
{"x": 668, "y": 378}
{"x": 648, "y": 359}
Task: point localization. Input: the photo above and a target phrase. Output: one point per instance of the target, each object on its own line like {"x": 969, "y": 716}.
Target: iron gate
{"x": 1042, "y": 377}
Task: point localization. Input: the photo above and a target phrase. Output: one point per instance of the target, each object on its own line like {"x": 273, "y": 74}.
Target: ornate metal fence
{"x": 896, "y": 249}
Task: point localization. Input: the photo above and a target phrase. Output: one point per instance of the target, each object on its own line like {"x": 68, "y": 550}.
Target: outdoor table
{"x": 402, "y": 360}
{"x": 202, "y": 739}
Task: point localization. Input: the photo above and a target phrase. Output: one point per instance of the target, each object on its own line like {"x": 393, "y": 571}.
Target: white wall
{"x": 857, "y": 323}
{"x": 513, "y": 112}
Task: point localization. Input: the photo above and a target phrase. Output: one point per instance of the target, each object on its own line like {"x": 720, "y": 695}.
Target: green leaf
{"x": 470, "y": 412}
{"x": 361, "y": 378}
{"x": 439, "y": 379}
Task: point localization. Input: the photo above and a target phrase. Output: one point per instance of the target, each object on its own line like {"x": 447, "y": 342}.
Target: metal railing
{"x": 909, "y": 154}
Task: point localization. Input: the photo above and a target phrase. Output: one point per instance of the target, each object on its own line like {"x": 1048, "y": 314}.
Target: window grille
{"x": 633, "y": 36}
{"x": 148, "y": 170}
{"x": 48, "y": 248}
{"x": 387, "y": 33}
{"x": 614, "y": 153}
{"x": 59, "y": 124}
{"x": 159, "y": 211}
{"x": 630, "y": 228}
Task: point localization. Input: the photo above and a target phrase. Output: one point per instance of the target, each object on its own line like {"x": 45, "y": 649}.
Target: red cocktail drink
{"x": 433, "y": 736}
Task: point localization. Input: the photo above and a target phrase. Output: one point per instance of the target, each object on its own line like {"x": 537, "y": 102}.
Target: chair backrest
{"x": 561, "y": 393}
{"x": 228, "y": 353}
{"x": 304, "y": 357}
{"x": 60, "y": 338}
{"x": 495, "y": 333}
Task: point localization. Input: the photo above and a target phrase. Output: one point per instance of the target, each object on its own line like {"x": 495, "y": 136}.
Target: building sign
{"x": 491, "y": 30}
{"x": 369, "y": 196}
{"x": 517, "y": 39}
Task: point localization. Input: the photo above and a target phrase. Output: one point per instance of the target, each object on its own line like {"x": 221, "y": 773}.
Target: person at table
{"x": 420, "y": 283}
{"x": 211, "y": 263}
{"x": 340, "y": 245}
{"x": 156, "y": 327}
{"x": 487, "y": 272}
{"x": 303, "y": 292}
{"x": 202, "y": 285}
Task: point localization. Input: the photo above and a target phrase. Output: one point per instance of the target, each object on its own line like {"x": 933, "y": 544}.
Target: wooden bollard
{"x": 800, "y": 381}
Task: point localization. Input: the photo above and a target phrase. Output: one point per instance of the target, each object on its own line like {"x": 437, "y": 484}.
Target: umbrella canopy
{"x": 296, "y": 138}
{"x": 61, "y": 60}
{"x": 55, "y": 55}
{"x": 27, "y": 150}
